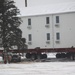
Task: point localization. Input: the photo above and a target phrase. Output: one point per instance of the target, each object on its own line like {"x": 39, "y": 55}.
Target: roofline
{"x": 47, "y": 14}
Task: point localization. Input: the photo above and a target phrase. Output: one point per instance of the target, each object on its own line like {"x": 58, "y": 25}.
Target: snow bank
{"x": 38, "y": 68}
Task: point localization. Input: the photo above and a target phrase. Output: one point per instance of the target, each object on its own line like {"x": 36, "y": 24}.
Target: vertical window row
{"x": 57, "y": 34}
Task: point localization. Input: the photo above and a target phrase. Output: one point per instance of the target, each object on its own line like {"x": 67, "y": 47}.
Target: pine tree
{"x": 10, "y": 33}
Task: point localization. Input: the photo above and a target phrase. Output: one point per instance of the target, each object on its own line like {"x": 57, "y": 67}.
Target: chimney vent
{"x": 25, "y": 3}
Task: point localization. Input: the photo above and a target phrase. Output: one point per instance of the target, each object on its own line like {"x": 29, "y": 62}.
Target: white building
{"x": 50, "y": 26}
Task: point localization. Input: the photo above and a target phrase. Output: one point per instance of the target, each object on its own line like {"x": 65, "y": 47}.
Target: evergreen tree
{"x": 10, "y": 32}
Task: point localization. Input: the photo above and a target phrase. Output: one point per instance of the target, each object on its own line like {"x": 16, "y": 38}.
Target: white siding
{"x": 66, "y": 29}
{"x": 38, "y": 30}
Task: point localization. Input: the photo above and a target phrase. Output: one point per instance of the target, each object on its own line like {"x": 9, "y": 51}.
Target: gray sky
{"x": 21, "y": 3}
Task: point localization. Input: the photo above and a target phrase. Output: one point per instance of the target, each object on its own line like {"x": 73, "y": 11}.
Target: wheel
{"x": 44, "y": 56}
{"x": 68, "y": 55}
{"x": 63, "y": 55}
{"x": 39, "y": 56}
{"x": 33, "y": 56}
{"x": 58, "y": 55}
{"x": 19, "y": 60}
{"x": 28, "y": 55}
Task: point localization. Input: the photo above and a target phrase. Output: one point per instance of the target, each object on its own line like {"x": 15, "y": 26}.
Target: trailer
{"x": 41, "y": 53}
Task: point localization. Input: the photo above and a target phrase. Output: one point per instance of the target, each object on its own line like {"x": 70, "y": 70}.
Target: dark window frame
{"x": 29, "y": 21}
{"x": 48, "y": 36}
{"x": 29, "y": 37}
{"x": 57, "y": 19}
{"x": 58, "y": 36}
{"x": 47, "y": 20}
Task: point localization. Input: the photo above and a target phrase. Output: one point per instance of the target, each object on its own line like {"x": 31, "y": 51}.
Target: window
{"x": 29, "y": 21}
{"x": 57, "y": 36}
{"x": 48, "y": 36}
{"x": 47, "y": 20}
{"x": 57, "y": 19}
{"x": 30, "y": 37}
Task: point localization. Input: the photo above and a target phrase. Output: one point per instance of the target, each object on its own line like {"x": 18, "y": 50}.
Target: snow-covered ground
{"x": 38, "y": 68}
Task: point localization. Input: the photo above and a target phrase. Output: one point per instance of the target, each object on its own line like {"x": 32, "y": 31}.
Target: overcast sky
{"x": 21, "y": 3}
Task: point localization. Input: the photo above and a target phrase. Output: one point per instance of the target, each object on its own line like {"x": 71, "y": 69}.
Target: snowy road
{"x": 38, "y": 68}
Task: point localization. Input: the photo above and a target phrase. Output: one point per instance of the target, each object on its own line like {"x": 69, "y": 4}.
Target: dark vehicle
{"x": 16, "y": 58}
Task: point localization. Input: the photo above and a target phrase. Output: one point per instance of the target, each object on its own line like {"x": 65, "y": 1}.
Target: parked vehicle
{"x": 16, "y": 58}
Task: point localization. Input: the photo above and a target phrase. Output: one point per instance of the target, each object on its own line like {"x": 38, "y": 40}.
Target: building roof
{"x": 48, "y": 9}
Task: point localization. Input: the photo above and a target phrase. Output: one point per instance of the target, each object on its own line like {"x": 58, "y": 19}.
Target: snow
{"x": 1, "y": 58}
{"x": 51, "y": 55}
{"x": 44, "y": 2}
{"x": 38, "y": 68}
{"x": 30, "y": 3}
{"x": 48, "y": 9}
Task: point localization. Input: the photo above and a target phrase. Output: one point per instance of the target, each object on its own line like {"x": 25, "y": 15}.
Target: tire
{"x": 39, "y": 56}
{"x": 33, "y": 56}
{"x": 44, "y": 56}
{"x": 68, "y": 55}
{"x": 58, "y": 55}
{"x": 28, "y": 55}
{"x": 19, "y": 60}
{"x": 63, "y": 55}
